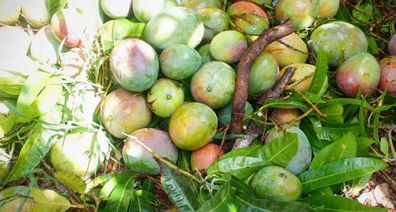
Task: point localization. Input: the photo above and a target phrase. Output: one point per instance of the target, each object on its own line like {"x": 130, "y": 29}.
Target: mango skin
{"x": 388, "y": 75}
{"x": 360, "y": 72}
{"x": 165, "y": 97}
{"x": 44, "y": 46}
{"x": 116, "y": 9}
{"x": 328, "y": 8}
{"x": 69, "y": 25}
{"x": 285, "y": 115}
{"x": 302, "y": 12}
{"x": 176, "y": 25}
{"x": 179, "y": 61}
{"x": 263, "y": 74}
{"x": 213, "y": 84}
{"x": 224, "y": 114}
{"x": 303, "y": 157}
{"x": 144, "y": 10}
{"x": 15, "y": 38}
{"x": 295, "y": 50}
{"x": 392, "y": 45}
{"x": 134, "y": 64}
{"x": 9, "y": 11}
{"x": 339, "y": 40}
{"x": 123, "y": 111}
{"x": 248, "y": 18}
{"x": 200, "y": 4}
{"x": 215, "y": 21}
{"x": 273, "y": 182}
{"x": 202, "y": 158}
{"x": 138, "y": 159}
{"x": 228, "y": 46}
{"x": 192, "y": 126}
{"x": 80, "y": 153}
{"x": 36, "y": 13}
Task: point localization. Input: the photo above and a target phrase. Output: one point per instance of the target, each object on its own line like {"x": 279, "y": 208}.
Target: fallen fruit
{"x": 228, "y": 46}
{"x": 302, "y": 12}
{"x": 36, "y": 13}
{"x": 116, "y": 8}
{"x": 392, "y": 45}
{"x": 44, "y": 46}
{"x": 9, "y": 11}
{"x": 285, "y": 115}
{"x": 328, "y": 8}
{"x": 68, "y": 25}
{"x": 145, "y": 10}
{"x": 263, "y": 74}
{"x": 215, "y": 21}
{"x": 248, "y": 18}
{"x": 204, "y": 157}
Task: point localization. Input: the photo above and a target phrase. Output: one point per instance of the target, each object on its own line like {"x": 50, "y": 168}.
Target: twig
{"x": 311, "y": 104}
{"x": 162, "y": 160}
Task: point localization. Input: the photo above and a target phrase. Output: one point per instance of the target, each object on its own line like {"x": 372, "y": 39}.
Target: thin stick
{"x": 311, "y": 104}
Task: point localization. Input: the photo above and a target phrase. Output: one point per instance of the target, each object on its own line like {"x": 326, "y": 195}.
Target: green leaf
{"x": 278, "y": 103}
{"x": 334, "y": 113}
{"x": 48, "y": 200}
{"x": 337, "y": 131}
{"x": 320, "y": 75}
{"x": 322, "y": 191}
{"x": 337, "y": 203}
{"x": 224, "y": 200}
{"x": 372, "y": 45}
{"x": 245, "y": 151}
{"x": 112, "y": 183}
{"x": 184, "y": 160}
{"x": 33, "y": 151}
{"x": 312, "y": 136}
{"x": 343, "y": 14}
{"x": 282, "y": 149}
{"x": 55, "y": 5}
{"x": 358, "y": 184}
{"x": 71, "y": 180}
{"x": 239, "y": 166}
{"x": 384, "y": 146}
{"x": 335, "y": 172}
{"x": 348, "y": 101}
{"x": 141, "y": 201}
{"x": 365, "y": 11}
{"x": 363, "y": 145}
{"x": 179, "y": 189}
{"x": 343, "y": 148}
{"x": 249, "y": 203}
{"x": 121, "y": 195}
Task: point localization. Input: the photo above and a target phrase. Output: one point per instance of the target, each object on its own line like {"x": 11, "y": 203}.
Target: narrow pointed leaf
{"x": 120, "y": 196}
{"x": 282, "y": 149}
{"x": 71, "y": 180}
{"x": 339, "y": 204}
{"x": 239, "y": 166}
{"x": 222, "y": 201}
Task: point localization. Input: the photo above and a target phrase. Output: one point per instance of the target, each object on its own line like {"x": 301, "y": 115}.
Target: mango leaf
{"x": 372, "y": 45}
{"x": 384, "y": 147}
{"x": 343, "y": 13}
{"x": 239, "y": 166}
{"x": 55, "y": 5}
{"x": 363, "y": 145}
{"x": 312, "y": 136}
{"x": 179, "y": 189}
{"x": 184, "y": 160}
{"x": 120, "y": 196}
{"x": 334, "y": 113}
{"x": 359, "y": 183}
{"x": 320, "y": 76}
{"x": 71, "y": 180}
{"x": 112, "y": 183}
{"x": 249, "y": 203}
{"x": 278, "y": 103}
{"x": 337, "y": 203}
{"x": 141, "y": 201}
{"x": 322, "y": 191}
{"x": 224, "y": 200}
{"x": 245, "y": 151}
{"x": 365, "y": 12}
{"x": 48, "y": 200}
{"x": 335, "y": 172}
{"x": 282, "y": 149}
{"x": 343, "y": 148}
{"x": 348, "y": 101}
{"x": 33, "y": 151}
{"x": 337, "y": 131}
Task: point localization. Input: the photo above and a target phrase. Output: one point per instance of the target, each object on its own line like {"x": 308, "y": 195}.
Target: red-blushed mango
{"x": 36, "y": 13}
{"x": 200, "y": 4}
{"x": 176, "y": 25}
{"x": 228, "y": 46}
{"x": 138, "y": 159}
{"x": 124, "y": 112}
{"x": 302, "y": 12}
{"x": 165, "y": 97}
{"x": 192, "y": 126}
{"x": 302, "y": 77}
{"x": 361, "y": 73}
{"x": 213, "y": 84}
{"x": 392, "y": 45}
{"x": 388, "y": 75}
{"x": 134, "y": 64}
{"x": 204, "y": 157}
{"x": 328, "y": 8}
{"x": 339, "y": 40}
{"x": 44, "y": 46}
{"x": 289, "y": 50}
{"x": 68, "y": 25}
{"x": 80, "y": 153}
{"x": 14, "y": 42}
{"x": 116, "y": 8}
{"x": 9, "y": 11}
{"x": 215, "y": 21}
{"x": 285, "y": 115}
{"x": 248, "y": 18}
{"x": 179, "y": 61}
{"x": 224, "y": 114}
{"x": 144, "y": 10}
{"x": 276, "y": 183}
{"x": 263, "y": 74}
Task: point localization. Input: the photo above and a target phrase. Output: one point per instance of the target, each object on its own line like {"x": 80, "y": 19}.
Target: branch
{"x": 247, "y": 59}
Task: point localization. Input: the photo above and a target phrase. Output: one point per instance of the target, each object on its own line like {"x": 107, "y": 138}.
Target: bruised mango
{"x": 228, "y": 46}
{"x": 213, "y": 84}
{"x": 361, "y": 73}
{"x": 302, "y": 12}
{"x": 138, "y": 159}
{"x": 289, "y": 50}
{"x": 263, "y": 74}
{"x": 165, "y": 97}
{"x": 192, "y": 126}
{"x": 179, "y": 61}
{"x": 339, "y": 40}
{"x": 124, "y": 112}
{"x": 134, "y": 64}
{"x": 388, "y": 75}
{"x": 248, "y": 18}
